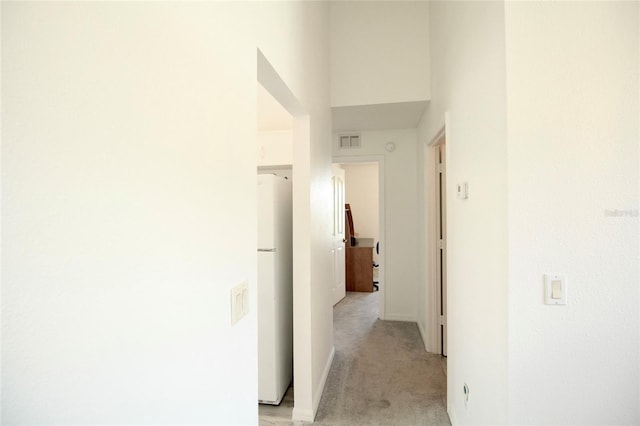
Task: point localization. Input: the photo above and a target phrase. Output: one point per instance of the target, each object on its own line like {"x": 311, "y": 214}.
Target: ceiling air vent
{"x": 350, "y": 141}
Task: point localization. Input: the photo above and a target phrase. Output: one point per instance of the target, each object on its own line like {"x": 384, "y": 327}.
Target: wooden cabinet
{"x": 358, "y": 258}
{"x": 359, "y": 268}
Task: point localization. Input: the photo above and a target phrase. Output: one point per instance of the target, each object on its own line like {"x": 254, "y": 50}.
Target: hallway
{"x": 380, "y": 375}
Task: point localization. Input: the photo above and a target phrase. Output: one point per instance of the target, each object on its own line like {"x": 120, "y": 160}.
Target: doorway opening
{"x": 275, "y": 254}
{"x": 274, "y": 158}
{"x": 364, "y": 256}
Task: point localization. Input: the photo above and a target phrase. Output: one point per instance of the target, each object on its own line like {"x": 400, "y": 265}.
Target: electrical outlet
{"x": 239, "y": 302}
{"x": 466, "y": 391}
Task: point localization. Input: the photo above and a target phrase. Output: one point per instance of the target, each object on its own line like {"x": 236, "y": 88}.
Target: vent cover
{"x": 350, "y": 141}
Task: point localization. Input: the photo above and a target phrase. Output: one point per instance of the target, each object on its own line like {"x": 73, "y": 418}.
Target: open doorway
{"x": 364, "y": 232}
{"x": 275, "y": 136}
{"x": 275, "y": 255}
{"x": 298, "y": 171}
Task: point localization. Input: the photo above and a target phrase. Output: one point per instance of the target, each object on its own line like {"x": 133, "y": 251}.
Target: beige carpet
{"x": 380, "y": 375}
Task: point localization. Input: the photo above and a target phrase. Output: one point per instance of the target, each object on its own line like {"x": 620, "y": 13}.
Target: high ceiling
{"x": 273, "y": 117}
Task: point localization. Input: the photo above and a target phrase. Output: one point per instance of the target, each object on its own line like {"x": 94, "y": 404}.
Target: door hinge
{"x": 440, "y": 167}
{"x": 441, "y": 244}
{"x": 441, "y": 319}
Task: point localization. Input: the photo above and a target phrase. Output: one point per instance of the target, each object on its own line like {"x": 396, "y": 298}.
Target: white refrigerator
{"x": 275, "y": 288}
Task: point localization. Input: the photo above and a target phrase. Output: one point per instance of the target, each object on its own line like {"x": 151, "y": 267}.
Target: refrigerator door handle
{"x": 270, "y": 250}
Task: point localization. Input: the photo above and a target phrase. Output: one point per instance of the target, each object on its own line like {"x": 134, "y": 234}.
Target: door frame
{"x": 433, "y": 341}
{"x": 381, "y": 219}
{"x": 441, "y": 233}
{"x": 304, "y": 407}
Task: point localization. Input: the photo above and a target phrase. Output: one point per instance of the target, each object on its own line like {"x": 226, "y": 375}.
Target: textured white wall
{"x": 361, "y": 183}
{"x": 569, "y": 75}
{"x": 400, "y": 222}
{"x": 128, "y": 130}
{"x": 468, "y": 81}
{"x": 572, "y": 93}
{"x": 116, "y": 273}
{"x": 379, "y": 52}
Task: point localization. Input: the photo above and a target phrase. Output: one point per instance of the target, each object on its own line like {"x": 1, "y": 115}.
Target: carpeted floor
{"x": 381, "y": 374}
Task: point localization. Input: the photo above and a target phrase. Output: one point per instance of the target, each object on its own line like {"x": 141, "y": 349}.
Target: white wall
{"x": 468, "y": 81}
{"x": 568, "y": 73}
{"x": 400, "y": 222}
{"x": 378, "y": 52}
{"x": 128, "y": 129}
{"x": 573, "y": 128}
{"x": 361, "y": 185}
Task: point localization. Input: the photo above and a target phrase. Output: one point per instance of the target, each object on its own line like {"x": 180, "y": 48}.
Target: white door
{"x": 338, "y": 289}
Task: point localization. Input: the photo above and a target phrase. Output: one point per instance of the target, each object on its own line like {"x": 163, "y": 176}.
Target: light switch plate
{"x": 239, "y": 302}
{"x": 555, "y": 289}
{"x": 462, "y": 190}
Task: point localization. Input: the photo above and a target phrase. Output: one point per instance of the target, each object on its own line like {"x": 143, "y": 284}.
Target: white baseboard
{"x": 323, "y": 381}
{"x": 303, "y": 415}
{"x": 430, "y": 347}
{"x": 309, "y": 415}
{"x": 423, "y": 336}
{"x": 399, "y": 317}
{"x": 452, "y": 417}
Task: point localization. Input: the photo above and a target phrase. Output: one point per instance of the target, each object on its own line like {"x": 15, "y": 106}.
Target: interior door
{"x": 338, "y": 289}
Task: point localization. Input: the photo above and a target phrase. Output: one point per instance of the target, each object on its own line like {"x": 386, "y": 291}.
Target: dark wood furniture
{"x": 359, "y": 261}
{"x": 358, "y": 257}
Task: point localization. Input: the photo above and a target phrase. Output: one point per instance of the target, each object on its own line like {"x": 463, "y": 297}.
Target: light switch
{"x": 555, "y": 289}
{"x": 462, "y": 190}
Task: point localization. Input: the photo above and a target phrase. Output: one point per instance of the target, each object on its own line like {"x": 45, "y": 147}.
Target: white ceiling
{"x": 271, "y": 115}
{"x": 403, "y": 115}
